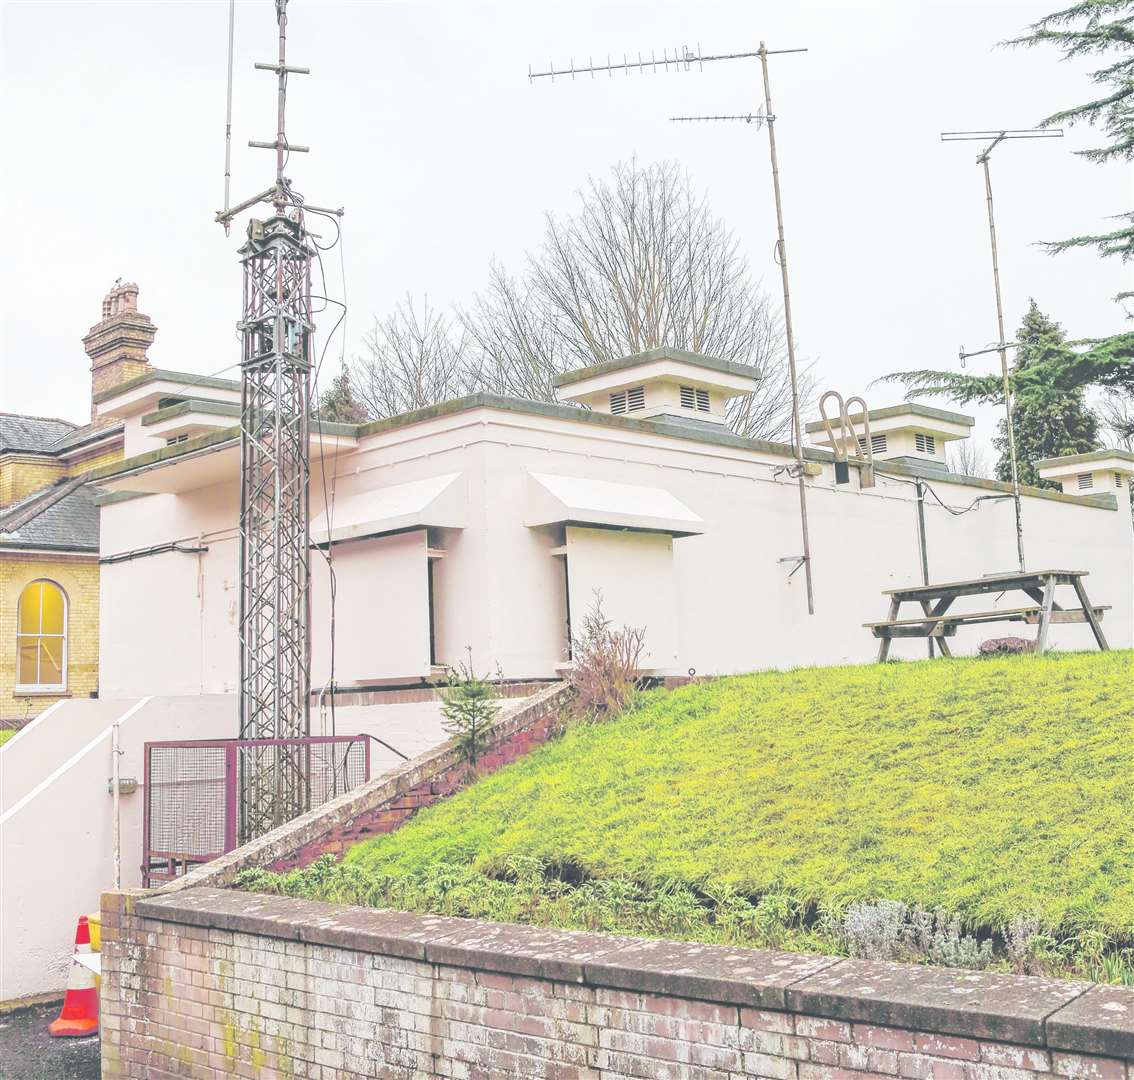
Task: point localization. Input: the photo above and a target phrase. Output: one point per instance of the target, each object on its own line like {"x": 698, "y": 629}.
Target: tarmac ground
{"x": 27, "y": 1052}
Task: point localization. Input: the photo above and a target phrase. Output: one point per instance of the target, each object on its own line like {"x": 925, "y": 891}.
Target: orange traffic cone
{"x": 79, "y": 1015}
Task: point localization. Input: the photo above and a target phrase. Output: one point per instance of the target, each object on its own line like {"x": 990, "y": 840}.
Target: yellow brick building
{"x": 49, "y": 532}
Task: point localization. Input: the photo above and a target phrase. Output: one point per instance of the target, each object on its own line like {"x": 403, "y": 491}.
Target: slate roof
{"x": 32, "y": 433}
{"x": 46, "y": 434}
{"x": 84, "y": 434}
{"x": 63, "y": 517}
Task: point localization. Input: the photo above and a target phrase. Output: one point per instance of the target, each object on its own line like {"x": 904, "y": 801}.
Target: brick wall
{"x": 211, "y": 983}
{"x": 21, "y": 477}
{"x": 78, "y": 577}
{"x": 97, "y": 460}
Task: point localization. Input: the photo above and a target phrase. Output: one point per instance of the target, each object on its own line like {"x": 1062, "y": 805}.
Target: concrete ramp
{"x": 38, "y": 749}
{"x": 56, "y": 837}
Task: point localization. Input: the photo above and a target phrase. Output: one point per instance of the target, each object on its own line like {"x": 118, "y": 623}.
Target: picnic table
{"x": 936, "y": 622}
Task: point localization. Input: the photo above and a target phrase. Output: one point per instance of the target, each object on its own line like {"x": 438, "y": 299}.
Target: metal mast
{"x": 275, "y": 380}
{"x": 1002, "y": 346}
{"x": 683, "y": 61}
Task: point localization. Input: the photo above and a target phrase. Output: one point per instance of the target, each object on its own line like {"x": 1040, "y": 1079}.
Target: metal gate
{"x": 191, "y": 796}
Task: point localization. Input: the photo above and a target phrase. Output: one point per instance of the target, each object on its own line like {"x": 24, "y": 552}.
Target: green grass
{"x": 990, "y": 789}
{"x": 6, "y": 734}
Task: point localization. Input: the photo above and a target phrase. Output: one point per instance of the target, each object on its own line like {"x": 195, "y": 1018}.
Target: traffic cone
{"x": 79, "y": 1015}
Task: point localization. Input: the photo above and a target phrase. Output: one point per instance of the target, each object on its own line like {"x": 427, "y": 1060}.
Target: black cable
{"x": 956, "y": 513}
{"x": 328, "y": 504}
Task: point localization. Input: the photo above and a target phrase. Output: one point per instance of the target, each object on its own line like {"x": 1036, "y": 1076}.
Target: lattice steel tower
{"x": 275, "y": 381}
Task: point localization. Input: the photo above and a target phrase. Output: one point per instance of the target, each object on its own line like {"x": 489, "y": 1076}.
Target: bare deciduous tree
{"x": 515, "y": 350}
{"x": 644, "y": 263}
{"x": 1116, "y": 412}
{"x": 967, "y": 459}
{"x": 411, "y": 361}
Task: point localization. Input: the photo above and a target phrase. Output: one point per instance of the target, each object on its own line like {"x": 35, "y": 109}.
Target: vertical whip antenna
{"x": 997, "y": 137}
{"x": 684, "y": 59}
{"x": 228, "y": 113}
{"x": 277, "y": 331}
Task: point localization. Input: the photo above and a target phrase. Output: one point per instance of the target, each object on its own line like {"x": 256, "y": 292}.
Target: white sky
{"x": 423, "y": 124}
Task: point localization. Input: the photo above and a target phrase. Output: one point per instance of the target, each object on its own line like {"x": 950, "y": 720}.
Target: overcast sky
{"x": 423, "y": 124}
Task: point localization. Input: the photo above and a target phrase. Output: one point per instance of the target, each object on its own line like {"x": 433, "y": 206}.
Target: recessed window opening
{"x": 1086, "y": 481}
{"x": 1118, "y": 479}
{"x": 635, "y": 398}
{"x": 877, "y": 444}
{"x": 173, "y": 440}
{"x": 41, "y": 638}
{"x": 927, "y": 444}
{"x": 432, "y": 618}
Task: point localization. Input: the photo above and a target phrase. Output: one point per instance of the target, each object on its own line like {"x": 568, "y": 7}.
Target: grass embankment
{"x": 765, "y": 809}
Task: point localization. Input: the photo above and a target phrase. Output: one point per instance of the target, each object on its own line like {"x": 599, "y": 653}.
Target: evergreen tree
{"x": 1048, "y": 380}
{"x": 1103, "y": 29}
{"x": 1050, "y": 421}
{"x": 338, "y": 403}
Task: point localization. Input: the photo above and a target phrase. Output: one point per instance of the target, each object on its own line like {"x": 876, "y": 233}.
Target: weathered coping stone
{"x": 1032, "y": 1012}
{"x": 987, "y": 1005}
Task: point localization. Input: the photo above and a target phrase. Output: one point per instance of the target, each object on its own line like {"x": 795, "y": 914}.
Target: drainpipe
{"x": 116, "y": 777}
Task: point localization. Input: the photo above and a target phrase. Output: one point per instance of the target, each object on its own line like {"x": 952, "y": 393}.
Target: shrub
{"x": 891, "y": 930}
{"x": 468, "y": 709}
{"x": 605, "y": 671}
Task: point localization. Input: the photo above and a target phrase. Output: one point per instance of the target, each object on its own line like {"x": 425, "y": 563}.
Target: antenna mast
{"x": 684, "y": 60}
{"x": 275, "y": 391}
{"x": 998, "y": 137}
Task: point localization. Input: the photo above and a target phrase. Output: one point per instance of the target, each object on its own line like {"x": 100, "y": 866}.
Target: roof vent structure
{"x": 1098, "y": 472}
{"x": 660, "y": 384}
{"x": 909, "y": 433}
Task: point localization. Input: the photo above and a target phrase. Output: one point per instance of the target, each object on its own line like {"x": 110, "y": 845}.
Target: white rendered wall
{"x": 381, "y": 610}
{"x": 137, "y": 438}
{"x": 50, "y": 739}
{"x": 169, "y": 621}
{"x": 56, "y": 841}
{"x": 633, "y": 575}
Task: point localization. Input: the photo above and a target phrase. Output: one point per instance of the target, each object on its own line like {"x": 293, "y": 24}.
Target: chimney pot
{"x": 117, "y": 345}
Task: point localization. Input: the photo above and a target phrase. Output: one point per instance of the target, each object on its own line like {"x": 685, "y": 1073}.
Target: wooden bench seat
{"x": 945, "y": 625}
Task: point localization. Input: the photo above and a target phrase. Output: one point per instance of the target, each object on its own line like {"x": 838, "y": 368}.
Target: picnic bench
{"x": 937, "y": 623}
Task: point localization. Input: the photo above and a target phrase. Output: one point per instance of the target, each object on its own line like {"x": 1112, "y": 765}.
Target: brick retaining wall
{"x": 212, "y": 983}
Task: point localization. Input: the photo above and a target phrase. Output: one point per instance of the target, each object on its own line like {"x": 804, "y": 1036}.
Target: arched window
{"x": 41, "y": 638}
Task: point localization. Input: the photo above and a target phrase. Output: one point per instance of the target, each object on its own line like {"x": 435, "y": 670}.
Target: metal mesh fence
{"x": 186, "y": 798}
{"x": 192, "y": 811}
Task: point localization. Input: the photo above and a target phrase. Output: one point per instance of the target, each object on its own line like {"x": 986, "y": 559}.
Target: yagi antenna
{"x": 994, "y": 139}
{"x": 684, "y": 59}
{"x": 758, "y": 118}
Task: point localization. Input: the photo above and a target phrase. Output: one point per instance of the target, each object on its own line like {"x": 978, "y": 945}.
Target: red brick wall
{"x": 211, "y": 983}
{"x": 390, "y": 814}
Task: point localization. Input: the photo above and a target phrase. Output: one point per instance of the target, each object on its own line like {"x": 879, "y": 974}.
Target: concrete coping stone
{"x": 1099, "y": 1022}
{"x": 1052, "y": 1013}
{"x": 954, "y": 1001}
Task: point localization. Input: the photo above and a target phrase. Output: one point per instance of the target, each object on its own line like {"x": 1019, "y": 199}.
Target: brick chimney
{"x": 117, "y": 344}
